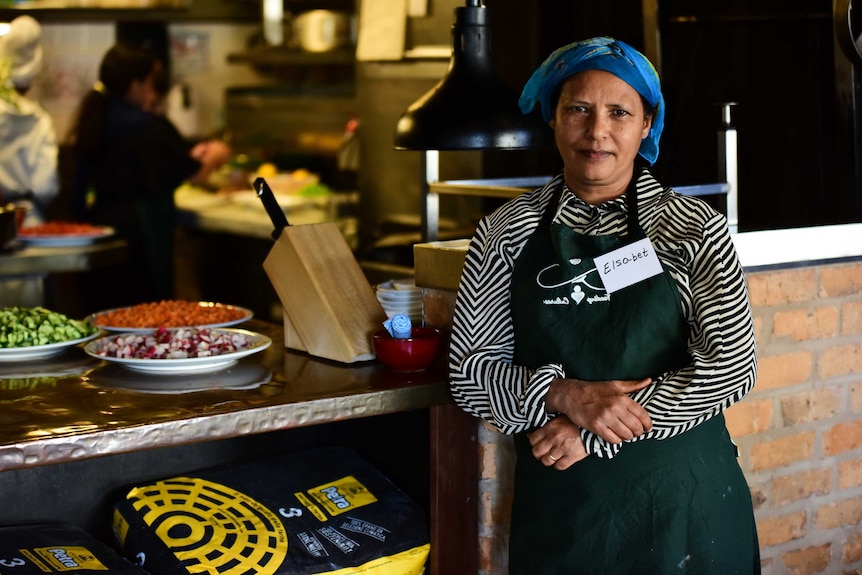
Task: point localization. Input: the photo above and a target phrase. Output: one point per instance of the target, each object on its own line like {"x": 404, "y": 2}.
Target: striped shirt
{"x": 692, "y": 241}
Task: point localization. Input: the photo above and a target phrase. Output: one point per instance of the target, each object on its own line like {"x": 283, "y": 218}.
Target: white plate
{"x": 243, "y": 375}
{"x": 37, "y": 351}
{"x": 65, "y": 240}
{"x": 256, "y": 343}
{"x": 247, "y": 315}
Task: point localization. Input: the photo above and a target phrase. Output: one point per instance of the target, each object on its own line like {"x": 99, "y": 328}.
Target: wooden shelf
{"x": 287, "y": 57}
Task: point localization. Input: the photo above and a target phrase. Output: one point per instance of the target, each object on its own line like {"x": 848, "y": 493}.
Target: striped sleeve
{"x": 483, "y": 380}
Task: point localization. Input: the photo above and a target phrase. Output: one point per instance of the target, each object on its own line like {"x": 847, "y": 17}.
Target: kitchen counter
{"x": 102, "y": 410}
{"x": 71, "y": 409}
{"x": 241, "y": 213}
{"x": 40, "y": 260}
{"x": 798, "y": 246}
{"x": 23, "y": 270}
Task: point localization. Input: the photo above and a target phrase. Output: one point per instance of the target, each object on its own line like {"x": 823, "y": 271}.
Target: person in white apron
{"x": 28, "y": 142}
{"x": 603, "y": 320}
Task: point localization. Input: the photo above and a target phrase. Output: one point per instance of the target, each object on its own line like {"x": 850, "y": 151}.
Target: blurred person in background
{"x": 129, "y": 160}
{"x": 28, "y": 143}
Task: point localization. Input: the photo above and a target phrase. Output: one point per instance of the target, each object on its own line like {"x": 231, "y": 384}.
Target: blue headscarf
{"x": 606, "y": 54}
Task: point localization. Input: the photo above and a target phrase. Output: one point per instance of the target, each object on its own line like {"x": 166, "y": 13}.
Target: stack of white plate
{"x": 401, "y": 296}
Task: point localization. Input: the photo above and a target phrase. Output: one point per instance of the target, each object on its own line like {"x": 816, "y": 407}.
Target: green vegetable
{"x": 26, "y": 327}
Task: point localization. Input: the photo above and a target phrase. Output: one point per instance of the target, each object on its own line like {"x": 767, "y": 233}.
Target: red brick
{"x": 780, "y": 452}
{"x": 808, "y": 560}
{"x": 789, "y": 286}
{"x": 856, "y": 396}
{"x": 842, "y": 437}
{"x": 801, "y": 324}
{"x": 748, "y": 416}
{"x": 758, "y": 496}
{"x": 852, "y": 551}
{"x": 840, "y": 360}
{"x": 840, "y": 280}
{"x": 850, "y": 474}
{"x": 810, "y": 405}
{"x": 778, "y": 371}
{"x": 800, "y": 485}
{"x": 487, "y": 460}
{"x": 491, "y": 554}
{"x": 781, "y": 529}
{"x": 847, "y": 512}
{"x": 761, "y": 336}
{"x": 495, "y": 505}
{"x": 496, "y": 454}
{"x": 851, "y": 318}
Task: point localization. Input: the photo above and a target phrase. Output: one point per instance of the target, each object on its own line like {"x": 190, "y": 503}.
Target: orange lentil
{"x": 57, "y": 227}
{"x": 170, "y": 313}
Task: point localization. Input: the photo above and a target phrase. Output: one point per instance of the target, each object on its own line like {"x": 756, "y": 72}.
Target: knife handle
{"x": 270, "y": 204}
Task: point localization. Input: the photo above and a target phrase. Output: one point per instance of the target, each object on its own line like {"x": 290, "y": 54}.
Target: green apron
{"x": 680, "y": 505}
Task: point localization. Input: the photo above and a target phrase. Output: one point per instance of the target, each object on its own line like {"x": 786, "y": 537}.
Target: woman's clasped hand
{"x": 603, "y": 407}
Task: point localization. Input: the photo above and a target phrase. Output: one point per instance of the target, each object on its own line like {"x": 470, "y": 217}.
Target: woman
{"x": 28, "y": 144}
{"x": 613, "y": 385}
{"x": 129, "y": 161}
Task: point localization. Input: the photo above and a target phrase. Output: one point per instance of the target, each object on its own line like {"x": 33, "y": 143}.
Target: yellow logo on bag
{"x": 69, "y": 558}
{"x": 342, "y": 495}
{"x": 212, "y": 528}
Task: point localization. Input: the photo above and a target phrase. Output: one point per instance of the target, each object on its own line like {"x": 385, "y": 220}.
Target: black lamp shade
{"x": 470, "y": 108}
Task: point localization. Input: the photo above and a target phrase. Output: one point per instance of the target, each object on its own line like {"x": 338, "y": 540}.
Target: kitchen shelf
{"x": 193, "y": 12}
{"x": 286, "y": 57}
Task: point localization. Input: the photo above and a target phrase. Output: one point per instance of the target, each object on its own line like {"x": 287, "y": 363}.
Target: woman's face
{"x": 598, "y": 124}
{"x": 143, "y": 93}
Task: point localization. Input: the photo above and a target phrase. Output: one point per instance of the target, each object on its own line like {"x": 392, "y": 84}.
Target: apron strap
{"x": 632, "y": 203}
{"x": 551, "y": 209}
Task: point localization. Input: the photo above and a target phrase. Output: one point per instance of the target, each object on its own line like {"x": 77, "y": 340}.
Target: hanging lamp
{"x": 470, "y": 108}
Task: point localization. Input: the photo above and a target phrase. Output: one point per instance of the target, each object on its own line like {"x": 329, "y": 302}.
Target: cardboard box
{"x": 438, "y": 265}
{"x": 58, "y": 548}
{"x": 321, "y": 510}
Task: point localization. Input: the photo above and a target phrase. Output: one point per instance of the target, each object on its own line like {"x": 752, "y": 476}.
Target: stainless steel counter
{"x": 39, "y": 260}
{"x": 72, "y": 407}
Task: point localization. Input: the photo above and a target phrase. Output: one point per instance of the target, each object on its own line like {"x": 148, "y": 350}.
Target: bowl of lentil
{"x": 149, "y": 316}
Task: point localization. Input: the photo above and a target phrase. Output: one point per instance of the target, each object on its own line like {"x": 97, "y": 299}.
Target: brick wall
{"x": 799, "y": 430}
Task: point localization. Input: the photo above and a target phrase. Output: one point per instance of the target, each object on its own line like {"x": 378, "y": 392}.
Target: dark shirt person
{"x": 129, "y": 161}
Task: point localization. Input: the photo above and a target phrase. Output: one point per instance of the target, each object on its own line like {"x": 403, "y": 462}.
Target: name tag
{"x": 628, "y": 265}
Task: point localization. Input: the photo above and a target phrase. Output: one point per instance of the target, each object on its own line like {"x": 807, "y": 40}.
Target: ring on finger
{"x": 552, "y": 458}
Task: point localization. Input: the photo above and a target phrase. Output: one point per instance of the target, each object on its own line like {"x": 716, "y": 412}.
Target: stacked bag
{"x": 317, "y": 511}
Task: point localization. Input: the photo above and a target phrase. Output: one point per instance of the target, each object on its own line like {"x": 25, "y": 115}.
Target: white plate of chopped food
{"x": 40, "y": 351}
{"x": 178, "y": 350}
{"x": 146, "y": 317}
{"x": 63, "y": 234}
{"x": 36, "y": 332}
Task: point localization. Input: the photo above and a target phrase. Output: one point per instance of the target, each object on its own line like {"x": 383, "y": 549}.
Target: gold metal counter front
{"x": 70, "y": 406}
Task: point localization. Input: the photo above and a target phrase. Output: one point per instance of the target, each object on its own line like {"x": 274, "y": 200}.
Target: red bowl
{"x": 413, "y": 353}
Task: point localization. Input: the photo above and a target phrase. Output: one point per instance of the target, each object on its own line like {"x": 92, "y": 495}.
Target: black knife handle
{"x": 270, "y": 204}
